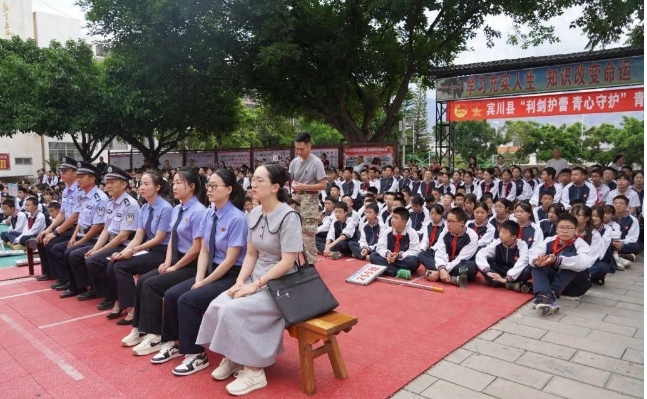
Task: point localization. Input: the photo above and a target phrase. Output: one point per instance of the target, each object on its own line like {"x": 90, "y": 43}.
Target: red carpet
{"x": 401, "y": 332}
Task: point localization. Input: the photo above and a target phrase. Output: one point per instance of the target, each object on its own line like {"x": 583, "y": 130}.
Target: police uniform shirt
{"x": 585, "y": 192}
{"x": 70, "y": 202}
{"x": 513, "y": 258}
{"x": 576, "y": 256}
{"x": 162, "y": 214}
{"x": 231, "y": 231}
{"x": 190, "y": 226}
{"x": 310, "y": 171}
{"x": 92, "y": 208}
{"x": 125, "y": 214}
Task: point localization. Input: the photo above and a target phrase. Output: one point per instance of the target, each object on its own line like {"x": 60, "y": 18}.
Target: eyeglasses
{"x": 565, "y": 228}
{"x": 214, "y": 186}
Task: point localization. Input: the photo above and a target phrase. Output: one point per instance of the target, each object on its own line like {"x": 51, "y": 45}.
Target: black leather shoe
{"x": 124, "y": 322}
{"x": 63, "y": 287}
{"x": 114, "y": 315}
{"x": 44, "y": 277}
{"x": 105, "y": 305}
{"x": 57, "y": 284}
{"x": 86, "y": 296}
{"x": 68, "y": 294}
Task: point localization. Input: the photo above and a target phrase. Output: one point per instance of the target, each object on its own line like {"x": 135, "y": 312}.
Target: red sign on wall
{"x": 573, "y": 103}
{"x": 5, "y": 161}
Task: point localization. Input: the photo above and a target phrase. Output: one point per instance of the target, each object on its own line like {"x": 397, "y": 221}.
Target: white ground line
{"x": 72, "y": 320}
{"x": 59, "y": 361}
{"x": 17, "y": 280}
{"x": 24, "y": 293}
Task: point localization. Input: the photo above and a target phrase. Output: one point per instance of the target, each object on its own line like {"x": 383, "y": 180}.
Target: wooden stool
{"x": 323, "y": 328}
{"x": 31, "y": 246}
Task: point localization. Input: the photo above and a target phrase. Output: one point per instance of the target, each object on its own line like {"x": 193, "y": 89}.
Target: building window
{"x": 58, "y": 150}
{"x": 23, "y": 161}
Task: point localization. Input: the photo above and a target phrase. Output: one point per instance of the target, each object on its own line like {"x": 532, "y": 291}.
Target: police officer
{"x": 122, "y": 216}
{"x": 62, "y": 227}
{"x": 308, "y": 178}
{"x": 92, "y": 214}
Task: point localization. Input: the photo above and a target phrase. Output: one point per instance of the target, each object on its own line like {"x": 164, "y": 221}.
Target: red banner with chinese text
{"x": 572, "y": 103}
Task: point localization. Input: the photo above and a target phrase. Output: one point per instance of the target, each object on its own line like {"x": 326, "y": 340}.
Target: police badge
{"x": 130, "y": 217}
{"x": 100, "y": 211}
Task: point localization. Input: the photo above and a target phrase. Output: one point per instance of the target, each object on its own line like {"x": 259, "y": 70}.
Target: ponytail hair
{"x": 278, "y": 175}
{"x": 237, "y": 195}
{"x": 191, "y": 176}
{"x": 587, "y": 212}
{"x": 158, "y": 180}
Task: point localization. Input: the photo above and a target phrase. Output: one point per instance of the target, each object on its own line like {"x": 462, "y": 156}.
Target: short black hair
{"x": 341, "y": 205}
{"x": 550, "y": 171}
{"x": 417, "y": 200}
{"x": 373, "y": 207}
{"x": 34, "y": 201}
{"x": 460, "y": 214}
{"x": 402, "y": 212}
{"x": 54, "y": 205}
{"x": 567, "y": 217}
{"x": 303, "y": 137}
{"x": 620, "y": 197}
{"x": 580, "y": 169}
{"x": 548, "y": 193}
{"x": 511, "y": 226}
{"x": 10, "y": 203}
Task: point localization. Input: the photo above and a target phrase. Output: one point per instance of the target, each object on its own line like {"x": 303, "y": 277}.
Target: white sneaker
{"x": 168, "y": 351}
{"x": 132, "y": 339}
{"x": 192, "y": 364}
{"x": 225, "y": 369}
{"x": 247, "y": 381}
{"x": 620, "y": 263}
{"x": 150, "y": 344}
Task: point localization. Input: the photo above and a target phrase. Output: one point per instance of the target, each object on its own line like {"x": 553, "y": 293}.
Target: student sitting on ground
{"x": 601, "y": 266}
{"x": 35, "y": 224}
{"x": 548, "y": 185}
{"x": 342, "y": 231}
{"x": 628, "y": 245}
{"x": 483, "y": 229}
{"x": 398, "y": 247}
{"x": 418, "y": 218}
{"x": 327, "y": 219}
{"x": 432, "y": 233}
{"x": 504, "y": 262}
{"x": 501, "y": 214}
{"x": 541, "y": 212}
{"x": 529, "y": 231}
{"x": 370, "y": 232}
{"x": 560, "y": 266}
{"x": 548, "y": 226}
{"x": 455, "y": 249}
{"x": 16, "y": 219}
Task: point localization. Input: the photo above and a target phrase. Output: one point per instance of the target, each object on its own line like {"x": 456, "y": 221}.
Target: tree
{"x": 415, "y": 113}
{"x": 630, "y": 140}
{"x": 475, "y": 138}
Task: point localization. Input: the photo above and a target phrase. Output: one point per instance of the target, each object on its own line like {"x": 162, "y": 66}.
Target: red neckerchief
{"x": 432, "y": 237}
{"x": 498, "y": 225}
{"x": 398, "y": 237}
{"x": 557, "y": 249}
{"x": 547, "y": 186}
{"x": 520, "y": 235}
{"x": 455, "y": 243}
{"x": 427, "y": 187}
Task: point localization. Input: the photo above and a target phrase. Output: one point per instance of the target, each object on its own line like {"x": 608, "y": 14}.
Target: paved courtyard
{"x": 594, "y": 348}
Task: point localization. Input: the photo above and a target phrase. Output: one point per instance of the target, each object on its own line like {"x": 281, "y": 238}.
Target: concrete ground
{"x": 592, "y": 349}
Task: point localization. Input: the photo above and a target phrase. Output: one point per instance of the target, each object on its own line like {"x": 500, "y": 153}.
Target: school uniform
{"x": 531, "y": 234}
{"x": 555, "y": 188}
{"x": 497, "y": 225}
{"x": 187, "y": 222}
{"x": 524, "y": 190}
{"x": 632, "y": 195}
{"x": 569, "y": 274}
{"x": 425, "y": 188}
{"x": 405, "y": 182}
{"x": 20, "y": 203}
{"x": 407, "y": 245}
{"x": 347, "y": 228}
{"x": 35, "y": 225}
{"x": 540, "y": 213}
{"x": 415, "y": 186}
{"x": 611, "y": 184}
{"x": 471, "y": 188}
{"x": 369, "y": 234}
{"x": 418, "y": 220}
{"x": 484, "y": 187}
{"x": 388, "y": 184}
{"x": 585, "y": 192}
{"x": 122, "y": 214}
{"x": 17, "y": 222}
{"x": 603, "y": 193}
{"x": 350, "y": 187}
{"x": 548, "y": 228}
{"x": 602, "y": 264}
{"x": 183, "y": 307}
{"x": 432, "y": 233}
{"x": 92, "y": 211}
{"x": 508, "y": 262}
{"x": 448, "y": 189}
{"x": 629, "y": 233}
{"x": 327, "y": 219}
{"x": 507, "y": 190}
{"x": 485, "y": 233}
{"x": 455, "y": 250}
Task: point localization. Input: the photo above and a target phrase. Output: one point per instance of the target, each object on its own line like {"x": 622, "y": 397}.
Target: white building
{"x": 29, "y": 152}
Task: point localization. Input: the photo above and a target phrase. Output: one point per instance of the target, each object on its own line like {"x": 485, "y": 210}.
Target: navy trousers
{"x": 409, "y": 263}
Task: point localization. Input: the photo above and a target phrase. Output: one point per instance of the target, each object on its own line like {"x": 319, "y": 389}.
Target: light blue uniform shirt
{"x": 92, "y": 208}
{"x": 125, "y": 214}
{"x": 162, "y": 214}
{"x": 70, "y": 200}
{"x": 190, "y": 226}
{"x": 231, "y": 231}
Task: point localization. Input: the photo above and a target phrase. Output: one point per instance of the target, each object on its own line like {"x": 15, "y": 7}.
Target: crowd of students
{"x": 183, "y": 256}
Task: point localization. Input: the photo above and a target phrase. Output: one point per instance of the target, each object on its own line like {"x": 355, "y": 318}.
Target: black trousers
{"x": 76, "y": 264}
{"x": 121, "y": 281}
{"x": 472, "y": 269}
{"x": 97, "y": 266}
{"x": 151, "y": 288}
{"x": 409, "y": 263}
{"x": 45, "y": 251}
{"x": 60, "y": 260}
{"x": 427, "y": 258}
{"x": 525, "y": 275}
{"x": 183, "y": 309}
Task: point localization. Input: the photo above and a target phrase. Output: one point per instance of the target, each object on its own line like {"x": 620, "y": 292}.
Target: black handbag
{"x": 301, "y": 295}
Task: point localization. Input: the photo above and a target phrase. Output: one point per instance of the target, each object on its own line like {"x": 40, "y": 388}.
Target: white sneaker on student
{"x": 192, "y": 364}
{"x": 168, "y": 351}
{"x": 247, "y": 381}
{"x": 150, "y": 344}
{"x": 132, "y": 339}
{"x": 620, "y": 263}
{"x": 225, "y": 369}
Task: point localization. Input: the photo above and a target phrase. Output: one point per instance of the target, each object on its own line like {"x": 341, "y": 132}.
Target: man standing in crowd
{"x": 557, "y": 162}
{"x": 308, "y": 178}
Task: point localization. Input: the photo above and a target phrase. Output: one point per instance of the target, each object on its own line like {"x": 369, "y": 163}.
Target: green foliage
{"x": 605, "y": 22}
{"x": 475, "y": 138}
{"x": 415, "y": 113}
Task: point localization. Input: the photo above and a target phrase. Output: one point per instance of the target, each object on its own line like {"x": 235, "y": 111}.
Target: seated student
{"x": 609, "y": 177}
{"x": 444, "y": 185}
{"x": 469, "y": 183}
{"x": 579, "y": 189}
{"x": 602, "y": 264}
{"x": 504, "y": 262}
{"x": 470, "y": 202}
{"x": 541, "y": 212}
{"x": 351, "y": 213}
{"x": 16, "y": 219}
{"x": 398, "y": 247}
{"x": 484, "y": 230}
{"x": 341, "y": 233}
{"x": 507, "y": 188}
{"x": 548, "y": 226}
{"x": 489, "y": 201}
{"x": 487, "y": 185}
{"x": 459, "y": 200}
{"x": 602, "y": 189}
{"x": 627, "y": 246}
{"x": 430, "y": 201}
{"x": 548, "y": 184}
{"x": 53, "y": 209}
{"x": 388, "y": 206}
{"x": 524, "y": 190}
{"x": 398, "y": 201}
{"x": 560, "y": 266}
{"x": 327, "y": 219}
{"x": 348, "y": 185}
{"x": 455, "y": 249}
{"x": 501, "y": 214}
{"x": 623, "y": 189}
{"x": 586, "y": 229}
{"x": 418, "y": 218}
{"x": 432, "y": 233}
{"x": 564, "y": 178}
{"x": 426, "y": 185}
{"x": 448, "y": 202}
{"x": 370, "y": 232}
{"x": 529, "y": 231}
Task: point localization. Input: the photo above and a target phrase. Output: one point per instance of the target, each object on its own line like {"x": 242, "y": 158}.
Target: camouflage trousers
{"x": 309, "y": 211}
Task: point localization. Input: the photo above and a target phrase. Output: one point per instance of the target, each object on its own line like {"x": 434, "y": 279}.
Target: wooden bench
{"x": 323, "y": 328}
{"x": 31, "y": 247}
